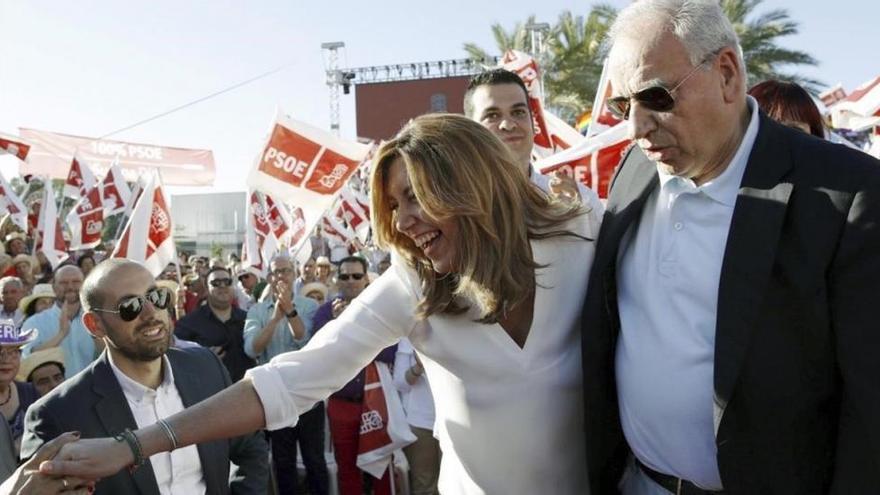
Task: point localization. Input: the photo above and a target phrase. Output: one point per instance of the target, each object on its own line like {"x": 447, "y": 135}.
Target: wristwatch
{"x": 292, "y": 314}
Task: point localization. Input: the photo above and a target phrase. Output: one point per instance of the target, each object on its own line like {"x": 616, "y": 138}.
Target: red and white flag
{"x": 297, "y": 226}
{"x": 350, "y": 208}
{"x": 50, "y": 240}
{"x": 594, "y": 159}
{"x": 80, "y": 179}
{"x": 383, "y": 427}
{"x": 279, "y": 219}
{"x": 14, "y": 146}
{"x": 115, "y": 193}
{"x": 12, "y": 204}
{"x": 86, "y": 221}
{"x": 334, "y": 228}
{"x": 305, "y": 166}
{"x": 257, "y": 231}
{"x": 601, "y": 117}
{"x": 147, "y": 237}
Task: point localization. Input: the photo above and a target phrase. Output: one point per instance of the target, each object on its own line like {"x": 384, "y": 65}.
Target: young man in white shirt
{"x": 498, "y": 99}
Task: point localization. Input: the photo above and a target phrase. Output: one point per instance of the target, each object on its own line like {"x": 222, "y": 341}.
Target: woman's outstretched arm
{"x": 233, "y": 412}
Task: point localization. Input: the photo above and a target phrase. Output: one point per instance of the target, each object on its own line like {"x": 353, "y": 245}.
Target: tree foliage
{"x": 577, "y": 45}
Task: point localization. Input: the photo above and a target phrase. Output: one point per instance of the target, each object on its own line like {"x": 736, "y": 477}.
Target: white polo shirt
{"x": 667, "y": 291}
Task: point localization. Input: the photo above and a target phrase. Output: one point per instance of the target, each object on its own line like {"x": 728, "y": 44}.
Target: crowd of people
{"x": 704, "y": 331}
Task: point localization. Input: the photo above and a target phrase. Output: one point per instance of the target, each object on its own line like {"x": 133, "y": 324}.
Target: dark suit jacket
{"x": 93, "y": 403}
{"x": 797, "y": 346}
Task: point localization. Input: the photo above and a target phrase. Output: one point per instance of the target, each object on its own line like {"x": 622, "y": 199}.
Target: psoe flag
{"x": 147, "y": 236}
{"x": 49, "y": 237}
{"x": 80, "y": 179}
{"x": 115, "y": 193}
{"x": 13, "y": 146}
{"x": 304, "y": 166}
{"x": 12, "y": 204}
{"x": 86, "y": 221}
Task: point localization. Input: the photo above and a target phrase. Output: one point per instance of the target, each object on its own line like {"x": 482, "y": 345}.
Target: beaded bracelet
{"x": 134, "y": 444}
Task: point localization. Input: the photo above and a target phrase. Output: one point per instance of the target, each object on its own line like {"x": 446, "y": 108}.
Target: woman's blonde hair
{"x": 459, "y": 170}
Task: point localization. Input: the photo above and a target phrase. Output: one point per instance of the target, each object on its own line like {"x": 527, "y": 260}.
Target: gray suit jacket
{"x": 796, "y": 376}
{"x": 93, "y": 403}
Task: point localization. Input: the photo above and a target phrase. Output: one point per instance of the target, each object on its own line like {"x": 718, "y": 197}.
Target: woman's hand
{"x": 91, "y": 459}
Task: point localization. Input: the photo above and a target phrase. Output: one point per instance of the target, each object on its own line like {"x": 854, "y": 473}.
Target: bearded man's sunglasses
{"x": 655, "y": 98}
{"x": 130, "y": 307}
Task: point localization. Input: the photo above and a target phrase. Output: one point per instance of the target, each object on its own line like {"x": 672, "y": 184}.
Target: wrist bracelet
{"x": 169, "y": 432}
{"x": 134, "y": 444}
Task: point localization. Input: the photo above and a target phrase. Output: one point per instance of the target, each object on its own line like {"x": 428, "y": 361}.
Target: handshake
{"x": 41, "y": 476}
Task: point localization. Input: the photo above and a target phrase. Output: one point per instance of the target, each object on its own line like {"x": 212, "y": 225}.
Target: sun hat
{"x": 250, "y": 269}
{"x": 314, "y": 286}
{"x": 12, "y": 336}
{"x": 37, "y": 359}
{"x": 40, "y": 291}
{"x": 23, "y": 258}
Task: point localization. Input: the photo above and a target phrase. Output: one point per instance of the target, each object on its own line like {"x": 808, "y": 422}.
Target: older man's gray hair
{"x": 15, "y": 281}
{"x": 700, "y": 25}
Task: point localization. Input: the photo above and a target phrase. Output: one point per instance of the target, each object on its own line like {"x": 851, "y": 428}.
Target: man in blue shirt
{"x": 61, "y": 325}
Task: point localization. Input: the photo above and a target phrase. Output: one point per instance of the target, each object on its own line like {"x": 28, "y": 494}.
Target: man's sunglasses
{"x": 345, "y": 276}
{"x": 221, "y": 282}
{"x": 130, "y": 307}
{"x": 656, "y": 98}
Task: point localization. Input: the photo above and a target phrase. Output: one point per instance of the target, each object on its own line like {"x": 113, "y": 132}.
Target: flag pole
{"x": 176, "y": 253}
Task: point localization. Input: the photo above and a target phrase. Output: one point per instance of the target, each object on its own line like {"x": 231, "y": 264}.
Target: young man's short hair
{"x": 491, "y": 77}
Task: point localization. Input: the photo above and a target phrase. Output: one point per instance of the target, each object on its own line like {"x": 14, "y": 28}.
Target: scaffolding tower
{"x": 342, "y": 79}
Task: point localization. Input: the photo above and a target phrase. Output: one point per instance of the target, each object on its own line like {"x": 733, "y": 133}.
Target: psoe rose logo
{"x": 329, "y": 181}
{"x": 159, "y": 221}
{"x": 371, "y": 421}
{"x": 94, "y": 227}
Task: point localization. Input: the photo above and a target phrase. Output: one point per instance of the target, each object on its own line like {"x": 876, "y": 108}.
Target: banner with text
{"x": 51, "y": 154}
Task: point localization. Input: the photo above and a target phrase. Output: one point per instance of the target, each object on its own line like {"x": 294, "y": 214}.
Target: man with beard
{"x": 218, "y": 325}
{"x": 62, "y": 325}
{"x": 139, "y": 380}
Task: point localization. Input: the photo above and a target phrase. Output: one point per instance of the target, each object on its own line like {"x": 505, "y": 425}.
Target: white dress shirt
{"x": 178, "y": 472}
{"x": 506, "y": 416}
{"x": 667, "y": 289}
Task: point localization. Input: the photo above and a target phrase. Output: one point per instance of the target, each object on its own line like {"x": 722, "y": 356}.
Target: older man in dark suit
{"x": 729, "y": 340}
{"x": 139, "y": 380}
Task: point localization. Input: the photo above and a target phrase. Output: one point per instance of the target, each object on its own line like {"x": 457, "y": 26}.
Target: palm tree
{"x": 577, "y": 48}
{"x": 572, "y": 64}
{"x": 759, "y": 38}
{"x": 516, "y": 39}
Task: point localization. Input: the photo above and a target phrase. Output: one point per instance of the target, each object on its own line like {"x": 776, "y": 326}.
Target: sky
{"x": 95, "y": 66}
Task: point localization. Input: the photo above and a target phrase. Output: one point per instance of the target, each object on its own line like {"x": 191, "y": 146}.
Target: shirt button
{"x": 678, "y": 226}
